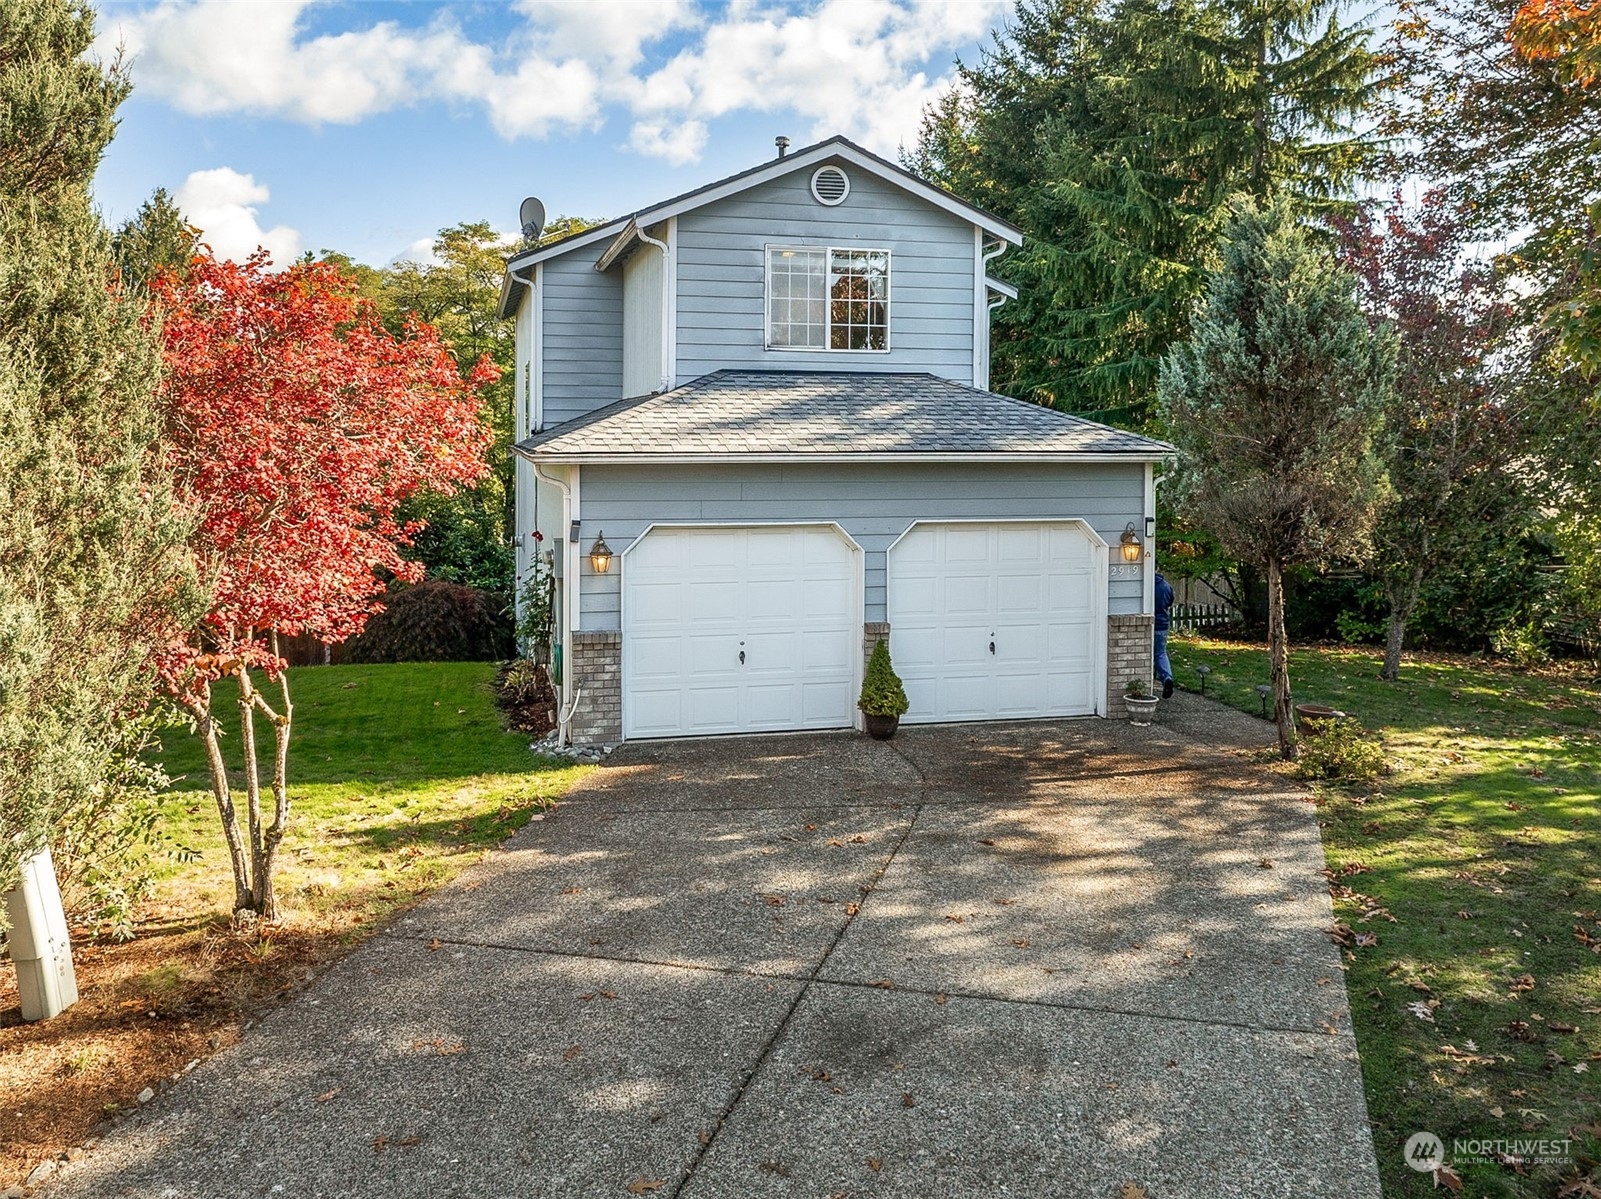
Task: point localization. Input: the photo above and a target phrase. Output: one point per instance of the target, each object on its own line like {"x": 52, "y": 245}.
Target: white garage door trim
{"x": 849, "y": 718}
{"x": 1100, "y": 569}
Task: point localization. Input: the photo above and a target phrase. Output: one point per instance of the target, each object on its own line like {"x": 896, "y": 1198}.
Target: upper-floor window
{"x": 824, "y": 298}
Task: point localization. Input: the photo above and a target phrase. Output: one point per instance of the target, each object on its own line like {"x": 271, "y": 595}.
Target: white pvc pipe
{"x": 40, "y": 946}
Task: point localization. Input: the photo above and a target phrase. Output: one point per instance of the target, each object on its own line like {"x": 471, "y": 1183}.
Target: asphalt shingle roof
{"x": 815, "y": 412}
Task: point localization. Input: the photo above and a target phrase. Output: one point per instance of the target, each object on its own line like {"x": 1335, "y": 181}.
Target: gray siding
{"x": 875, "y": 503}
{"x": 582, "y": 334}
{"x": 722, "y": 277}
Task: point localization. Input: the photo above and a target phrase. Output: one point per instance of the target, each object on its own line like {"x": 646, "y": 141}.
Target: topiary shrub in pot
{"x": 883, "y": 701}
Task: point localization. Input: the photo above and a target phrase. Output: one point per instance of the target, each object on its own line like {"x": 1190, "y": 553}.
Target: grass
{"x": 1477, "y": 866}
{"x": 400, "y": 777}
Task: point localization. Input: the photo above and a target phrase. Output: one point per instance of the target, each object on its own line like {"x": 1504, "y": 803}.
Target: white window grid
{"x": 828, "y": 298}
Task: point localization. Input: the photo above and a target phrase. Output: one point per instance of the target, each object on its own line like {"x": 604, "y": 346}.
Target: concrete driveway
{"x": 1031, "y": 960}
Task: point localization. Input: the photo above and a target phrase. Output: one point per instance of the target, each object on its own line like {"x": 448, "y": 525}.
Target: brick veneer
{"x": 1129, "y": 655}
{"x": 595, "y": 663}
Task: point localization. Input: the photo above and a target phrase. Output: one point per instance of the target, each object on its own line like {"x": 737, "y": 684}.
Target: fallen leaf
{"x": 1446, "y": 1177}
{"x": 704, "y": 1137}
{"x": 1132, "y": 1190}
{"x": 644, "y": 1186}
{"x": 852, "y": 908}
{"x": 1522, "y": 984}
{"x": 942, "y": 998}
{"x": 436, "y": 945}
{"x": 572, "y": 1052}
{"x": 773, "y": 901}
{"x": 409, "y": 1140}
{"x": 954, "y": 919}
{"x": 907, "y": 1100}
{"x": 875, "y": 1164}
{"x": 1020, "y": 942}
{"x": 986, "y": 841}
{"x": 1559, "y": 1026}
{"x": 380, "y": 1143}
{"x": 571, "y": 890}
{"x": 328, "y": 1095}
{"x": 1265, "y": 863}
{"x": 1424, "y": 1009}
{"x": 1005, "y": 903}
{"x": 884, "y": 983}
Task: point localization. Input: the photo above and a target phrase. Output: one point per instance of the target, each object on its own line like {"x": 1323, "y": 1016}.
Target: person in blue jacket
{"x": 1164, "y": 605}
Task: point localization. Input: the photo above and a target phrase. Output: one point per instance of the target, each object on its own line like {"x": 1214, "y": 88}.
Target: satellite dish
{"x": 532, "y": 218}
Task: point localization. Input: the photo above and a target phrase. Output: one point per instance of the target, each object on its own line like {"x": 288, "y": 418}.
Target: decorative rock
{"x": 145, "y": 1096}
{"x": 41, "y": 1172}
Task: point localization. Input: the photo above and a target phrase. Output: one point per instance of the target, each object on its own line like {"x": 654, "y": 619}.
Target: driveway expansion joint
{"x": 800, "y": 995}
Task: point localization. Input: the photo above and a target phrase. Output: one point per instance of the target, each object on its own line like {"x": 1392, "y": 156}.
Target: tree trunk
{"x": 224, "y": 796}
{"x": 247, "y": 746}
{"x": 267, "y": 895}
{"x": 1279, "y": 656}
{"x": 1403, "y": 599}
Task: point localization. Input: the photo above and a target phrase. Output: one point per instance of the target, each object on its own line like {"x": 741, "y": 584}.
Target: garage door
{"x": 994, "y": 621}
{"x": 735, "y": 630}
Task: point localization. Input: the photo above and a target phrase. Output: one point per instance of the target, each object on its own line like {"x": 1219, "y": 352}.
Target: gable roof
{"x": 842, "y": 148}
{"x": 827, "y": 415}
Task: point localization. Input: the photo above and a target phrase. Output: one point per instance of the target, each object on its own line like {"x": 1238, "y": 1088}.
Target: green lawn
{"x": 400, "y": 775}
{"x": 1477, "y": 866}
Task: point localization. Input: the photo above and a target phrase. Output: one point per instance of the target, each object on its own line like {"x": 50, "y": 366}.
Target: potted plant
{"x": 1139, "y": 701}
{"x": 883, "y": 699}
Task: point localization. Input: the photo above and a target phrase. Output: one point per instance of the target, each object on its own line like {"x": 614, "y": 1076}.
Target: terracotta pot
{"x": 880, "y": 728}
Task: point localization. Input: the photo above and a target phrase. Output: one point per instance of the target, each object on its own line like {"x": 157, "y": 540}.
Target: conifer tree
{"x": 156, "y": 238}
{"x": 93, "y": 570}
{"x": 1115, "y": 132}
{"x": 1274, "y": 402}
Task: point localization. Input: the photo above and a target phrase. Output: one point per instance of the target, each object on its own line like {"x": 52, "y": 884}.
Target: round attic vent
{"x": 830, "y": 185}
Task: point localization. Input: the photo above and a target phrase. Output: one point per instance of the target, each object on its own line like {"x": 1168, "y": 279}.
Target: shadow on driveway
{"x": 1035, "y": 959}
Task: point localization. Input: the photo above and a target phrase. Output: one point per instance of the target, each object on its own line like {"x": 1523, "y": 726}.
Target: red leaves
{"x": 1566, "y": 32}
{"x": 297, "y": 425}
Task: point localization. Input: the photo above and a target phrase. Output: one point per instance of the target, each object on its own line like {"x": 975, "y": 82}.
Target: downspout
{"x": 666, "y": 381}
{"x": 569, "y": 600}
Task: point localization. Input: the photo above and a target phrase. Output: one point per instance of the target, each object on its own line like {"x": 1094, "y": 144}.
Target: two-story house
{"x": 755, "y": 436}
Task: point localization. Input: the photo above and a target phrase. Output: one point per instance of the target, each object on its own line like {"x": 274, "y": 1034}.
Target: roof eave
{"x": 533, "y": 454}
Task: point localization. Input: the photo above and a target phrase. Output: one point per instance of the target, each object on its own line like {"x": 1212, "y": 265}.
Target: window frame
{"x": 828, "y": 323}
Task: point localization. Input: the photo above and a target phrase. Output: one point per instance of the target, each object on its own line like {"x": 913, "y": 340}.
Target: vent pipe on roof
{"x": 782, "y": 143}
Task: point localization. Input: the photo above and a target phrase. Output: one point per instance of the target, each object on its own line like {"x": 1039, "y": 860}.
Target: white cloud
{"x": 222, "y": 202}
{"x": 679, "y": 141}
{"x": 862, "y": 67}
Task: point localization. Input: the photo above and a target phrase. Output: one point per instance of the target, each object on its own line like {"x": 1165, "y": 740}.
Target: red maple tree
{"x": 297, "y": 424}
{"x": 1566, "y": 33}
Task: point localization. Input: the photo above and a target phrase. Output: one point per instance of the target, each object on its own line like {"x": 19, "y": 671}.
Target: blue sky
{"x": 366, "y": 127}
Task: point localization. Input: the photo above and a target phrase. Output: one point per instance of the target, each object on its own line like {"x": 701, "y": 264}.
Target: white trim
{"x": 537, "y": 350}
{"x": 981, "y": 339}
{"x": 909, "y": 457}
{"x": 828, "y": 324}
{"x": 1101, "y": 586}
{"x": 777, "y": 168}
{"x": 567, "y": 488}
{"x": 670, "y": 308}
{"x": 843, "y": 196}
{"x": 1148, "y": 536}
{"x": 857, "y": 553}
{"x": 1000, "y": 286}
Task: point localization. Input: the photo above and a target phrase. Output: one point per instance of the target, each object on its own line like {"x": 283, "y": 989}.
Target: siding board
{"x": 874, "y": 502}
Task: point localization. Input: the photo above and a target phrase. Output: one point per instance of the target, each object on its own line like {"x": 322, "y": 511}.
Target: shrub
{"x": 435, "y": 621}
{"x": 536, "y": 604}
{"x": 1522, "y": 644}
{"x": 882, "y": 693}
{"x": 524, "y": 692}
{"x": 1342, "y": 749}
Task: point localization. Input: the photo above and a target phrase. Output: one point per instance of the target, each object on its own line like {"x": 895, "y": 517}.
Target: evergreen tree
{"x": 1114, "y": 132}
{"x": 93, "y": 571}
{"x": 156, "y": 238}
{"x": 1274, "y": 403}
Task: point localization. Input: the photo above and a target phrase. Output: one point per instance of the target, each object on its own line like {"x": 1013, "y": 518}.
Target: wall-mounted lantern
{"x": 600, "y": 555}
{"x": 1133, "y": 547}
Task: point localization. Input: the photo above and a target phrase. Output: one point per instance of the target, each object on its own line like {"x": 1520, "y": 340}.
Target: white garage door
{"x": 734, "y": 630}
{"x": 992, "y": 621}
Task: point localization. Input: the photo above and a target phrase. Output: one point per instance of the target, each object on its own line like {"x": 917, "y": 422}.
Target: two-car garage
{"x": 759, "y": 628}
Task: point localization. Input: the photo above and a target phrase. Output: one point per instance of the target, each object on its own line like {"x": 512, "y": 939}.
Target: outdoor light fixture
{"x": 1203, "y": 671}
{"x": 600, "y": 554}
{"x": 1263, "y": 691}
{"x": 1133, "y": 548}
